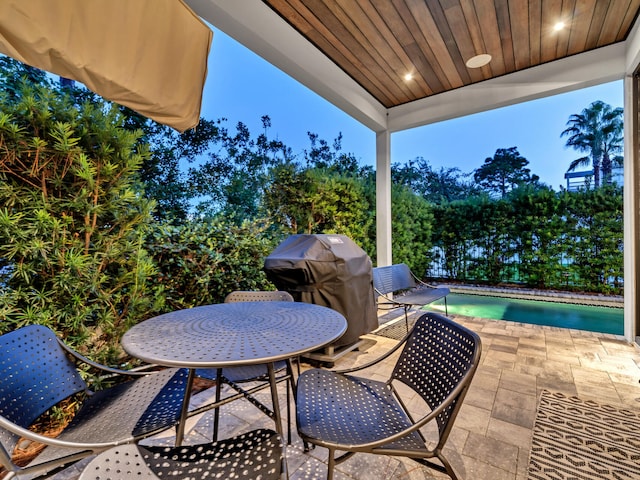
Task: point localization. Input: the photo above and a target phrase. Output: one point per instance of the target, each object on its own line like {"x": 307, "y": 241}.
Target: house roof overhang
{"x": 273, "y": 35}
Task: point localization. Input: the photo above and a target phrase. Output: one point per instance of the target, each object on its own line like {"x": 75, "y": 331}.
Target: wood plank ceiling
{"x": 379, "y": 42}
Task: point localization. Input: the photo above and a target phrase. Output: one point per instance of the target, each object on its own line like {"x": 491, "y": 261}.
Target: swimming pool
{"x": 565, "y": 315}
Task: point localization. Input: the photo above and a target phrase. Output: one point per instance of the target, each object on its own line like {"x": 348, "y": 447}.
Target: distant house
{"x": 584, "y": 179}
{"x": 578, "y": 180}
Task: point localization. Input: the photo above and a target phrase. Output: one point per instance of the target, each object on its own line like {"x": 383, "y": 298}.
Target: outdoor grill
{"x": 327, "y": 270}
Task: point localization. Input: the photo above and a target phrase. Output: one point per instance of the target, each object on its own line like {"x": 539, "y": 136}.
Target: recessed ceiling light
{"x": 408, "y": 77}
{"x": 479, "y": 60}
{"x": 558, "y": 26}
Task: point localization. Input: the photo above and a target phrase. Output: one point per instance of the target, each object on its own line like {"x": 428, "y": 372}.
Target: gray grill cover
{"x": 327, "y": 270}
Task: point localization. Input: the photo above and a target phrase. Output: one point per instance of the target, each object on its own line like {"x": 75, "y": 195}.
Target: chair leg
{"x": 216, "y": 412}
{"x": 292, "y": 385}
{"x": 289, "y": 387}
{"x": 447, "y": 466}
{"x": 331, "y": 465}
{"x": 333, "y": 461}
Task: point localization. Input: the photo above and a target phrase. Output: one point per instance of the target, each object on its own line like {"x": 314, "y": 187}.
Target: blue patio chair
{"x": 38, "y": 371}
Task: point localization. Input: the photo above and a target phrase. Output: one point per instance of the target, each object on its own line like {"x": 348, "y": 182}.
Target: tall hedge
{"x": 412, "y": 222}
{"x": 535, "y": 237}
{"x": 594, "y": 243}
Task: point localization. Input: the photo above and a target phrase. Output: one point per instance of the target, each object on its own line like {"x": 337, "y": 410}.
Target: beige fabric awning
{"x": 149, "y": 55}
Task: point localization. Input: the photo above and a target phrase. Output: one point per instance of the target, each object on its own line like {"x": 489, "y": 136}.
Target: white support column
{"x": 383, "y": 198}
{"x": 631, "y": 182}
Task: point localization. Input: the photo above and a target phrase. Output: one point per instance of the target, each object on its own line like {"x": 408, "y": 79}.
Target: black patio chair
{"x": 356, "y": 414}
{"x": 38, "y": 371}
{"x": 257, "y": 454}
{"x": 396, "y": 286}
{"x": 234, "y": 376}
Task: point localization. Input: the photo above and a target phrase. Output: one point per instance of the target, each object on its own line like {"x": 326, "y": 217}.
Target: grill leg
{"x": 406, "y": 317}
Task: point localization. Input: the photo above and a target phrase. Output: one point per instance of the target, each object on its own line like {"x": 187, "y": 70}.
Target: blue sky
{"x": 241, "y": 86}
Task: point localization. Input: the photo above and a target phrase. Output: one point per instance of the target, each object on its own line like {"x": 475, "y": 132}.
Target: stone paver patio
{"x": 492, "y": 434}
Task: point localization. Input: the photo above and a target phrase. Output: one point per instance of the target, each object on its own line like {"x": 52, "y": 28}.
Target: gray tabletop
{"x": 231, "y": 334}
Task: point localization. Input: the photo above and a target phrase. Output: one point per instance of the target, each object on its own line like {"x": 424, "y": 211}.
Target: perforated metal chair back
{"x": 257, "y": 454}
{"x": 258, "y": 296}
{"x": 35, "y": 374}
{"x": 391, "y": 278}
{"x": 347, "y": 413}
{"x": 436, "y": 360}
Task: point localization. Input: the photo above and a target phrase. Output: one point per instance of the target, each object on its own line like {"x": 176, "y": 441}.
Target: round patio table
{"x": 233, "y": 334}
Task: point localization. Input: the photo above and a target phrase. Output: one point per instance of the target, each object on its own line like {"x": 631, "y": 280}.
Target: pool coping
{"x": 613, "y": 301}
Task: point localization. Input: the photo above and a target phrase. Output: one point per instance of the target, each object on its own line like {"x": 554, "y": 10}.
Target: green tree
{"x": 331, "y": 158}
{"x": 72, "y": 220}
{"x": 537, "y": 233}
{"x": 312, "y": 200}
{"x": 489, "y": 229}
{"x": 13, "y": 74}
{"x": 166, "y": 171}
{"x": 329, "y": 193}
{"x": 504, "y": 171}
{"x": 595, "y": 241}
{"x": 232, "y": 180}
{"x": 436, "y": 186}
{"x": 597, "y": 131}
{"x": 456, "y": 235}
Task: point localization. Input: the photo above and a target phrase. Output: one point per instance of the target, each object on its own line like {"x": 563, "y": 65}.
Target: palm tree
{"x": 596, "y": 131}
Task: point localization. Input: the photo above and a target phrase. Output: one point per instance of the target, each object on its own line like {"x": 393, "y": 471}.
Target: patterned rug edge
{"x": 583, "y": 440}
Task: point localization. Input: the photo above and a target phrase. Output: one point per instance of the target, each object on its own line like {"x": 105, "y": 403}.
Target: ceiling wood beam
{"x": 426, "y": 36}
{"x": 599, "y": 66}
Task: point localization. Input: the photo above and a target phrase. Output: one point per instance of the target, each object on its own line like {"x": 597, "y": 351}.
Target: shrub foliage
{"x": 71, "y": 220}
{"x": 199, "y": 263}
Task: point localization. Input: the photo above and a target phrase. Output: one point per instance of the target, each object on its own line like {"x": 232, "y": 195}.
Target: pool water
{"x": 565, "y": 315}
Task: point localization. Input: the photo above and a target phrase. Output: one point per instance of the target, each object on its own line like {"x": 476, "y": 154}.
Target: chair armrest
{"x": 420, "y": 282}
{"x": 136, "y": 372}
{"x": 375, "y": 360}
{"x": 388, "y": 301}
{"x": 35, "y": 437}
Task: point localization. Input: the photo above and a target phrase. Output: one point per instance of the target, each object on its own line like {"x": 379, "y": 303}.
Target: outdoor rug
{"x": 396, "y": 331}
{"x": 583, "y": 440}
